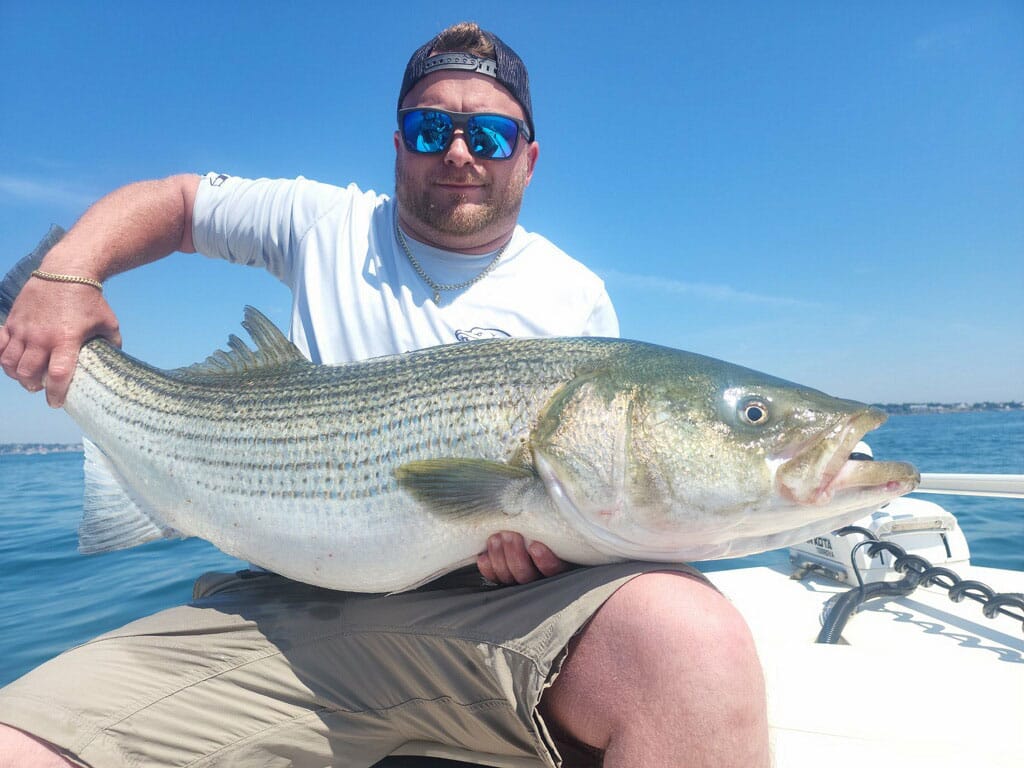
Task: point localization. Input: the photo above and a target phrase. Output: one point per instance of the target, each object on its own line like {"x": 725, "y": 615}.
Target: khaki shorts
{"x": 263, "y": 671}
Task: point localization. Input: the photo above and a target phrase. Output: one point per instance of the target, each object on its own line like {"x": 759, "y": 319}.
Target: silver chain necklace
{"x": 438, "y": 287}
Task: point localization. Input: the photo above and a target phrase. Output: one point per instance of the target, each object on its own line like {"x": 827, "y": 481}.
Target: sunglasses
{"x": 429, "y": 131}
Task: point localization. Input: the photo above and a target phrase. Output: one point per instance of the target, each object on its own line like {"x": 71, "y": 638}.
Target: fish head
{"x": 679, "y": 456}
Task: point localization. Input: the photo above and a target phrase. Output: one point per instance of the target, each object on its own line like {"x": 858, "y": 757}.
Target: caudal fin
{"x": 15, "y": 280}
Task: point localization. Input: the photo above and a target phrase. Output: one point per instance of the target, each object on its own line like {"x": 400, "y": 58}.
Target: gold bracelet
{"x": 67, "y": 279}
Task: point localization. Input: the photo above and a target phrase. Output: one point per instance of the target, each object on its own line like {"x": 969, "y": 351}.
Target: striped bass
{"x": 380, "y": 475}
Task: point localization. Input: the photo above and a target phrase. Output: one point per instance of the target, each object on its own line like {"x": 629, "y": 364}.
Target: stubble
{"x": 455, "y": 215}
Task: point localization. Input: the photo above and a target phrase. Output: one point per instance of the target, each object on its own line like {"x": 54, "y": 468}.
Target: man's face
{"x": 453, "y": 199}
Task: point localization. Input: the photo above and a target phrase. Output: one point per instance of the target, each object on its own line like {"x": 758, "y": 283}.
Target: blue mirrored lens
{"x": 488, "y": 136}
{"x": 492, "y": 136}
{"x": 425, "y": 131}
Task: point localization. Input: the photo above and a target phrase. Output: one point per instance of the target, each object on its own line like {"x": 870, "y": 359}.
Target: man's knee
{"x": 663, "y": 643}
{"x": 19, "y": 749}
{"x": 667, "y": 621}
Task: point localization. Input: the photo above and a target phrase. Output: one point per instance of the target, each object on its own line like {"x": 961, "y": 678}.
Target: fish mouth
{"x": 822, "y": 469}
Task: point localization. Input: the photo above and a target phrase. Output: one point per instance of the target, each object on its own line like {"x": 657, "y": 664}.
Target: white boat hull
{"x": 923, "y": 681}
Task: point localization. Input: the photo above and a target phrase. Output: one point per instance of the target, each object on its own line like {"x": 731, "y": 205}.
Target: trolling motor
{"x": 918, "y": 527}
{"x": 904, "y": 544}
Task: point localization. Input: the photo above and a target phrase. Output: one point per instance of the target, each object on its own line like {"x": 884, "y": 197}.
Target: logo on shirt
{"x": 218, "y": 180}
{"x": 476, "y": 334}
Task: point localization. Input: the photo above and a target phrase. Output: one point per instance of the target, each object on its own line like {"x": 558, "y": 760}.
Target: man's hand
{"x": 509, "y": 561}
{"x": 48, "y": 324}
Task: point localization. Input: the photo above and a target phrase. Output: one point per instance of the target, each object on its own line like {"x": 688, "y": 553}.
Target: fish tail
{"x": 15, "y": 280}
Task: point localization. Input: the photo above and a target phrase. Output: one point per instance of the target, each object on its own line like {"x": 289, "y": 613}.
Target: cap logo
{"x": 464, "y": 61}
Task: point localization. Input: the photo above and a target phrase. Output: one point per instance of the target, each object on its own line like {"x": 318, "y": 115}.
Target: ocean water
{"x": 52, "y": 597}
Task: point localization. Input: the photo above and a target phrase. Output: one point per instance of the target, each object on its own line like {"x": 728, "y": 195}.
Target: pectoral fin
{"x": 464, "y": 488}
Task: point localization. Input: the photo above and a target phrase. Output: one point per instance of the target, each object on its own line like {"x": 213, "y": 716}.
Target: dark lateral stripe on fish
{"x": 153, "y": 390}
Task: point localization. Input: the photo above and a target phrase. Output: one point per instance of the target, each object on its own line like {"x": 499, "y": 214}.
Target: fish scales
{"x": 201, "y": 415}
{"x": 379, "y": 475}
{"x": 228, "y": 444}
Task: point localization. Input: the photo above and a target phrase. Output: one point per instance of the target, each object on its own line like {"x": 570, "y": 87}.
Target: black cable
{"x": 919, "y": 572}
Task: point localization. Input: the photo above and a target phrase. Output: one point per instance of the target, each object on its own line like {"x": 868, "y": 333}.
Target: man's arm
{"x": 50, "y": 321}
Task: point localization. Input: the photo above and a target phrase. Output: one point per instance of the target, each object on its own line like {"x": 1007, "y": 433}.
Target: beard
{"x": 455, "y": 215}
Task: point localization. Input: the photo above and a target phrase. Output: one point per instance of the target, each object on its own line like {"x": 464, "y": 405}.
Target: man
{"x": 636, "y": 664}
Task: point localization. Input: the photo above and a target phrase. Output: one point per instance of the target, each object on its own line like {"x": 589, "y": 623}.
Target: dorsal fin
{"x": 273, "y": 350}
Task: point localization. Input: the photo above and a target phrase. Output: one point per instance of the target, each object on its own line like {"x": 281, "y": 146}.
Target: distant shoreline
{"x": 39, "y": 449}
{"x": 986, "y": 407}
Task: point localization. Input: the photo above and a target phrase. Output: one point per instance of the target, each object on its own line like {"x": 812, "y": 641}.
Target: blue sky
{"x": 830, "y": 192}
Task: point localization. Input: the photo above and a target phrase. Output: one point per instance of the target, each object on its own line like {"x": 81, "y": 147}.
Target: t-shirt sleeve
{"x": 602, "y": 321}
{"x": 258, "y": 222}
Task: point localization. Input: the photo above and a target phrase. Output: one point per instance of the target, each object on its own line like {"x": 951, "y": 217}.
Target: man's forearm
{"x": 50, "y": 320}
{"x": 132, "y": 226}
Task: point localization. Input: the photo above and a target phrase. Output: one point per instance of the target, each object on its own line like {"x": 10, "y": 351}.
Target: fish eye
{"x": 753, "y": 412}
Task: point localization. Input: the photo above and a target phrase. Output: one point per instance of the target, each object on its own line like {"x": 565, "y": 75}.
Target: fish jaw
{"x": 821, "y": 473}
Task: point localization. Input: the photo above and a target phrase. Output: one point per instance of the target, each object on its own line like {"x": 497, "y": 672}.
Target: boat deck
{"x": 920, "y": 680}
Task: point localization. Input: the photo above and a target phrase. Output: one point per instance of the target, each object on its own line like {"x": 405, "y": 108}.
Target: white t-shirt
{"x": 355, "y": 293}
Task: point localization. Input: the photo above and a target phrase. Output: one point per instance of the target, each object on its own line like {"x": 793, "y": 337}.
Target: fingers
{"x": 11, "y": 356}
{"x": 31, "y": 368}
{"x": 35, "y": 367}
{"x": 58, "y": 375}
{"x": 491, "y": 563}
{"x": 511, "y": 560}
{"x": 47, "y": 325}
{"x": 545, "y": 560}
{"x": 508, "y": 561}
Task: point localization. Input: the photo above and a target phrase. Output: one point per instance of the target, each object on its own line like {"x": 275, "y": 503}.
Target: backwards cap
{"x": 506, "y": 67}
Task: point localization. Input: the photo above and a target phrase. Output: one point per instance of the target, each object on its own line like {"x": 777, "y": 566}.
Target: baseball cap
{"x": 506, "y": 67}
